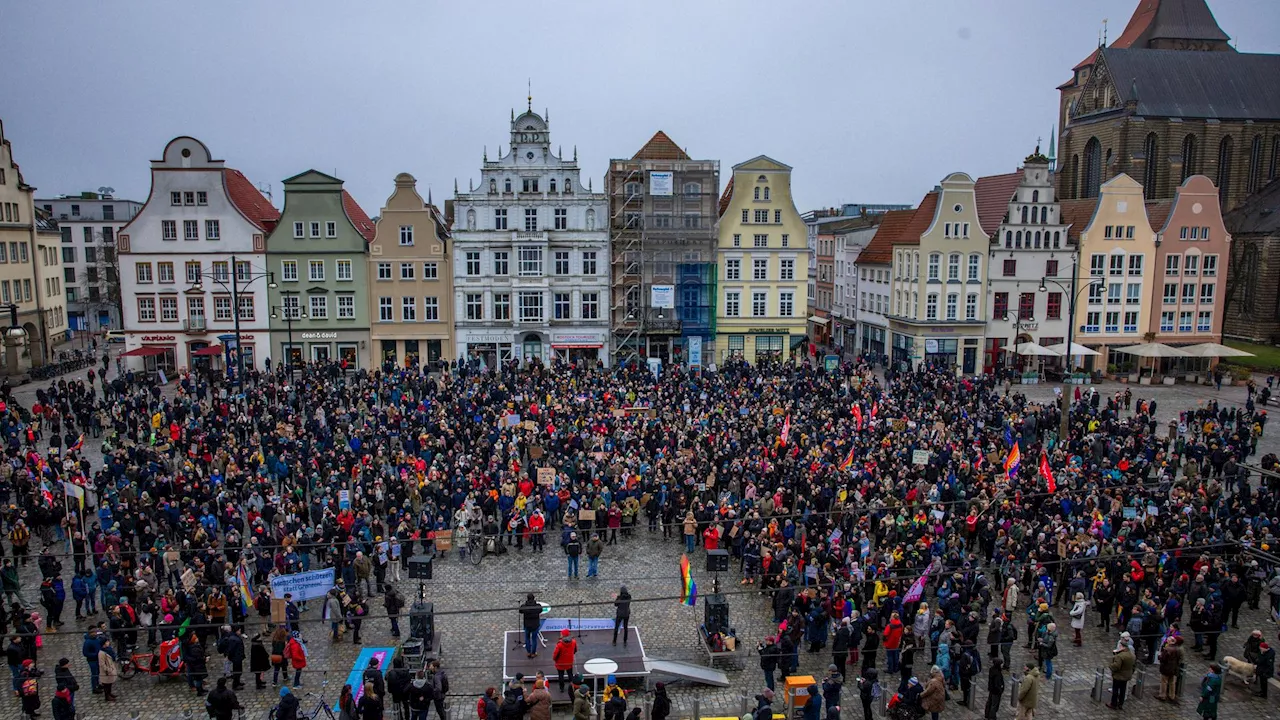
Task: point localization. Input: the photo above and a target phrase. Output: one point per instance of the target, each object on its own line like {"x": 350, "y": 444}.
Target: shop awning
{"x": 144, "y": 351}
{"x": 798, "y": 341}
{"x": 562, "y": 346}
{"x": 818, "y": 320}
{"x": 208, "y": 351}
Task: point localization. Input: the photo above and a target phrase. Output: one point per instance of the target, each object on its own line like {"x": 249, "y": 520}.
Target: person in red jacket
{"x": 537, "y": 526}
{"x": 296, "y": 654}
{"x": 892, "y": 640}
{"x": 711, "y": 537}
{"x": 563, "y": 657}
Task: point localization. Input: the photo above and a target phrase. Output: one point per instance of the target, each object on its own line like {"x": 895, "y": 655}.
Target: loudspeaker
{"x": 717, "y": 561}
{"x": 715, "y": 613}
{"x": 420, "y": 567}
{"x": 422, "y": 622}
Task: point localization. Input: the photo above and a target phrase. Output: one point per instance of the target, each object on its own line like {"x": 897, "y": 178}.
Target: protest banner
{"x": 303, "y": 585}
{"x": 546, "y": 476}
{"x": 444, "y": 540}
{"x": 919, "y": 457}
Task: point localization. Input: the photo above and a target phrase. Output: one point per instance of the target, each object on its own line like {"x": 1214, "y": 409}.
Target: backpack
{"x": 1010, "y": 633}
{"x": 480, "y": 709}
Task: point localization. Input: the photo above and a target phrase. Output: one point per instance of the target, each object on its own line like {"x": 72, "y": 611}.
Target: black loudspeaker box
{"x": 420, "y": 567}
{"x": 422, "y": 622}
{"x": 717, "y": 561}
{"x": 715, "y": 613}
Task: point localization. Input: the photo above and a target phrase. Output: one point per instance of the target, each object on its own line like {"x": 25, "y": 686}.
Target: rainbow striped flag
{"x": 688, "y": 588}
{"x": 1012, "y": 461}
{"x": 79, "y": 444}
{"x": 244, "y": 587}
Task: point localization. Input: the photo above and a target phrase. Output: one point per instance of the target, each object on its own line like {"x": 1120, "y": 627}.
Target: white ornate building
{"x": 531, "y": 256}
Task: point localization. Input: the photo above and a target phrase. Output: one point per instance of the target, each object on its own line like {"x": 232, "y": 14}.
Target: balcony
{"x": 194, "y": 325}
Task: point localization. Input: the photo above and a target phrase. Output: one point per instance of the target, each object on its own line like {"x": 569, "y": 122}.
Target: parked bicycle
{"x": 322, "y": 709}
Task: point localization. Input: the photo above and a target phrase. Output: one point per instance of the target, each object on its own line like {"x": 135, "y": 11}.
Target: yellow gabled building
{"x": 763, "y": 265}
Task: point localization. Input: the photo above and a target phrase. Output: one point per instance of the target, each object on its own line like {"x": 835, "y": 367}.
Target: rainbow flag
{"x": 244, "y": 587}
{"x": 79, "y": 444}
{"x": 848, "y": 459}
{"x": 688, "y": 588}
{"x": 1012, "y": 460}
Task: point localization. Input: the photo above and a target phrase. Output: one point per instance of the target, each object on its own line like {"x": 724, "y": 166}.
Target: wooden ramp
{"x": 687, "y": 671}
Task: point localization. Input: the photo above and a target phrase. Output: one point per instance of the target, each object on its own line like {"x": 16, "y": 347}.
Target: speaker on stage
{"x": 422, "y": 622}
{"x": 420, "y": 567}
{"x": 717, "y": 561}
{"x": 715, "y": 613}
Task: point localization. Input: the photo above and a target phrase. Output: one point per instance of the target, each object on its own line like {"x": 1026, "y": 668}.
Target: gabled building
{"x": 763, "y": 265}
{"x": 89, "y": 223}
{"x": 411, "y": 281}
{"x": 873, "y": 272}
{"x": 202, "y": 222}
{"x": 662, "y": 206}
{"x": 319, "y": 308}
{"x": 531, "y": 267}
{"x": 1191, "y": 261}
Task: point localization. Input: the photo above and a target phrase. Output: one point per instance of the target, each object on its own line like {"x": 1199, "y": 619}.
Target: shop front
{"x": 589, "y": 347}
{"x": 157, "y": 353}
{"x": 903, "y": 355}
{"x": 485, "y": 349}
{"x": 872, "y": 340}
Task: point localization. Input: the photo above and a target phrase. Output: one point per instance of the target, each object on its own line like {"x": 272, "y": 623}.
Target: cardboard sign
{"x": 529, "y": 425}
{"x": 919, "y": 457}
{"x": 546, "y": 476}
{"x": 618, "y": 413}
{"x": 585, "y": 514}
{"x": 444, "y": 540}
{"x": 277, "y": 611}
{"x": 535, "y": 452}
{"x": 686, "y": 452}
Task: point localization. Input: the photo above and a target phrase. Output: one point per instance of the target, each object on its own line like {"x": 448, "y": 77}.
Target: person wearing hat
{"x": 1077, "y": 619}
{"x": 1265, "y": 668}
{"x": 832, "y": 684}
{"x": 30, "y": 688}
{"x": 1170, "y": 661}
{"x": 1028, "y": 692}
{"x": 562, "y": 656}
{"x": 287, "y": 709}
{"x": 1122, "y": 664}
{"x": 1210, "y": 692}
{"x": 582, "y": 703}
{"x": 65, "y": 680}
{"x": 812, "y": 709}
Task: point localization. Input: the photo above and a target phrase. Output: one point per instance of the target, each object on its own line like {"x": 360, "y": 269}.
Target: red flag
{"x": 1047, "y": 473}
{"x": 857, "y": 415}
{"x": 875, "y": 409}
{"x": 786, "y": 431}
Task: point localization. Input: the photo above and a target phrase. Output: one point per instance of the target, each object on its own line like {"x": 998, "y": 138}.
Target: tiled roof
{"x": 880, "y": 250}
{"x": 993, "y": 193}
{"x": 1158, "y": 213}
{"x": 920, "y": 221}
{"x": 660, "y": 147}
{"x": 1259, "y": 214}
{"x": 1178, "y": 83}
{"x": 248, "y": 200}
{"x": 358, "y": 217}
{"x": 1077, "y": 214}
{"x": 725, "y": 197}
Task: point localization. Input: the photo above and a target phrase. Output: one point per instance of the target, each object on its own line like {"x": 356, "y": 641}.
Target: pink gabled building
{"x": 1191, "y": 254}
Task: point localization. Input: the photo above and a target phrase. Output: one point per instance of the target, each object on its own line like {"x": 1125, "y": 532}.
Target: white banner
{"x": 660, "y": 183}
{"x": 662, "y": 296}
{"x": 303, "y": 585}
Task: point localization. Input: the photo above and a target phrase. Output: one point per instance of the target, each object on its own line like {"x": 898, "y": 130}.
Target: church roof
{"x": 1176, "y": 83}
{"x": 1259, "y": 214}
{"x": 1165, "y": 20}
{"x": 993, "y": 194}
{"x": 660, "y": 147}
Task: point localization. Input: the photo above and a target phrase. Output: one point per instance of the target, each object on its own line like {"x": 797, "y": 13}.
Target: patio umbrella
{"x": 1151, "y": 350}
{"x": 1205, "y": 350}
{"x": 1031, "y": 349}
{"x": 1076, "y": 349}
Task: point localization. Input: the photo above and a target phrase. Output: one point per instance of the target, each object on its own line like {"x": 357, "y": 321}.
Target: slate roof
{"x": 1259, "y": 214}
{"x": 358, "y": 217}
{"x": 1178, "y": 83}
{"x": 1164, "y": 19}
{"x": 660, "y": 147}
{"x": 993, "y": 195}
{"x": 250, "y": 202}
{"x": 880, "y": 250}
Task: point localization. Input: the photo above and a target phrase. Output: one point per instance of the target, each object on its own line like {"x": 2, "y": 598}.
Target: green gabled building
{"x": 319, "y": 307}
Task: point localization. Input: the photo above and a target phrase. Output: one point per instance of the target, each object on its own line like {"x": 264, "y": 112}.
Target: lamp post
{"x": 1017, "y": 330}
{"x": 289, "y": 316}
{"x": 234, "y": 289}
{"x": 1073, "y": 295}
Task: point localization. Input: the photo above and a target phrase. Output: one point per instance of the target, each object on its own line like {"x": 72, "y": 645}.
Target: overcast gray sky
{"x": 869, "y": 101}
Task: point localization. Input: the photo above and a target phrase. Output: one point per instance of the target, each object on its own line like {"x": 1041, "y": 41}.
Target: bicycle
{"x": 322, "y": 708}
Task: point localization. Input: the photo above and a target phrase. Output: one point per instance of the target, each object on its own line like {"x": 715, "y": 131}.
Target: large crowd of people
{"x": 941, "y": 519}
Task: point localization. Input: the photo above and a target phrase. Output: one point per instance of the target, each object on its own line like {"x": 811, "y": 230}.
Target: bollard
{"x": 1057, "y": 689}
{"x": 1140, "y": 682}
{"x": 697, "y": 710}
{"x": 1096, "y": 693}
{"x": 648, "y": 709}
{"x": 1178, "y": 682}
{"x": 744, "y": 707}
{"x": 1014, "y": 682}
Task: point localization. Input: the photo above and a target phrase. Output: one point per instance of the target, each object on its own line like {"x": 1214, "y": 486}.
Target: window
{"x": 1184, "y": 321}
{"x": 175, "y": 198}
{"x": 1225, "y": 149}
{"x": 1170, "y": 295}
{"x": 346, "y": 307}
{"x": 1206, "y": 293}
{"x": 1204, "y": 321}
{"x": 318, "y": 306}
{"x": 222, "y": 306}
{"x": 195, "y": 308}
{"x": 430, "y": 309}
{"x": 299, "y": 230}
{"x": 1051, "y": 268}
{"x": 501, "y": 263}
{"x": 1131, "y": 321}
{"x": 1191, "y": 266}
{"x": 1097, "y": 264}
{"x": 430, "y": 271}
{"x": 760, "y": 240}
{"x": 737, "y": 239}
{"x": 1171, "y": 263}
{"x": 1113, "y": 322}
{"x": 315, "y": 270}
{"x": 975, "y": 267}
{"x": 90, "y": 254}
{"x": 1117, "y": 264}
{"x": 971, "y": 306}
{"x": 530, "y": 307}
{"x": 762, "y": 216}
{"x": 529, "y": 185}
{"x": 934, "y": 260}
{"x": 786, "y": 269}
{"x": 144, "y": 272}
{"x": 246, "y": 307}
{"x": 1053, "y": 306}
{"x": 1096, "y": 291}
{"x": 931, "y": 306}
{"x": 502, "y": 306}
{"x": 315, "y": 229}
{"x": 146, "y": 306}
{"x": 733, "y": 269}
{"x": 560, "y": 306}
{"x": 562, "y": 219}
{"x": 164, "y": 272}
{"x": 530, "y": 261}
{"x": 590, "y": 306}
{"x": 561, "y": 262}
{"x": 384, "y": 271}
{"x": 499, "y": 218}
{"x": 530, "y": 219}
{"x": 1113, "y": 294}
{"x": 188, "y": 197}
{"x": 589, "y": 265}
{"x": 406, "y": 271}
{"x": 759, "y": 269}
{"x": 1010, "y": 267}
{"x": 786, "y": 240}
{"x": 330, "y": 229}
{"x": 1000, "y": 306}
{"x": 408, "y": 309}
{"x": 759, "y": 303}
{"x": 952, "y": 301}
{"x": 777, "y": 214}
{"x": 732, "y": 300}
{"x": 1135, "y": 265}
{"x": 1132, "y": 294}
{"x": 953, "y": 267}
{"x": 1188, "y": 293}
{"x": 169, "y": 228}
{"x": 190, "y": 229}
{"x": 745, "y": 214}
{"x": 192, "y": 270}
{"x": 1166, "y": 321}
{"x": 211, "y": 230}
{"x": 384, "y": 309}
{"x": 1210, "y": 268}
{"x": 786, "y": 303}
{"x": 169, "y": 309}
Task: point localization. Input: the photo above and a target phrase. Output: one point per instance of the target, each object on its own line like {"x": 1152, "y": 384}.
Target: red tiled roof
{"x": 993, "y": 194}
{"x": 725, "y": 197}
{"x": 920, "y": 221}
{"x": 660, "y": 147}
{"x": 1138, "y": 24}
{"x": 880, "y": 250}
{"x": 1077, "y": 214}
{"x": 1158, "y": 213}
{"x": 358, "y": 217}
{"x": 248, "y": 200}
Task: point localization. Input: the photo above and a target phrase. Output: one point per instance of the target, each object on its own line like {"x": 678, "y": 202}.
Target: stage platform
{"x": 594, "y": 641}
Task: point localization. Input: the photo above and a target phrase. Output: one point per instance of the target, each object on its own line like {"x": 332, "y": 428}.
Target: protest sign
{"x": 303, "y": 585}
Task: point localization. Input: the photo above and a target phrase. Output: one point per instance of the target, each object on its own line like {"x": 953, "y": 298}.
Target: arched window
{"x": 766, "y": 193}
{"x": 1037, "y": 239}
{"x": 1190, "y": 166}
{"x": 1056, "y": 233}
{"x": 1017, "y": 242}
{"x": 1225, "y": 151}
{"x": 1255, "y": 166}
{"x": 1024, "y": 214}
{"x": 553, "y": 184}
{"x": 1073, "y": 189}
{"x": 1149, "y": 172}
{"x": 757, "y": 194}
{"x": 1035, "y": 196}
{"x": 692, "y": 188}
{"x": 1092, "y": 169}
{"x": 1008, "y": 238}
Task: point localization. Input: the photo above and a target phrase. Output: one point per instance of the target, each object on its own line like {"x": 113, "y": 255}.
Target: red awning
{"x": 208, "y": 351}
{"x": 561, "y": 346}
{"x": 145, "y": 351}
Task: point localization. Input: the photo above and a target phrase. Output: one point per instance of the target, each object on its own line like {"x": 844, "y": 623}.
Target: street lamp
{"x": 290, "y": 314}
{"x": 1073, "y": 294}
{"x": 234, "y": 289}
{"x": 1017, "y": 330}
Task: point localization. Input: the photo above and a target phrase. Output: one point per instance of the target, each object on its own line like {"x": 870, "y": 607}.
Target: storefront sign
{"x": 319, "y": 336}
{"x": 158, "y": 338}
{"x": 931, "y": 346}
{"x": 502, "y": 338}
{"x": 768, "y": 331}
{"x": 582, "y": 340}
